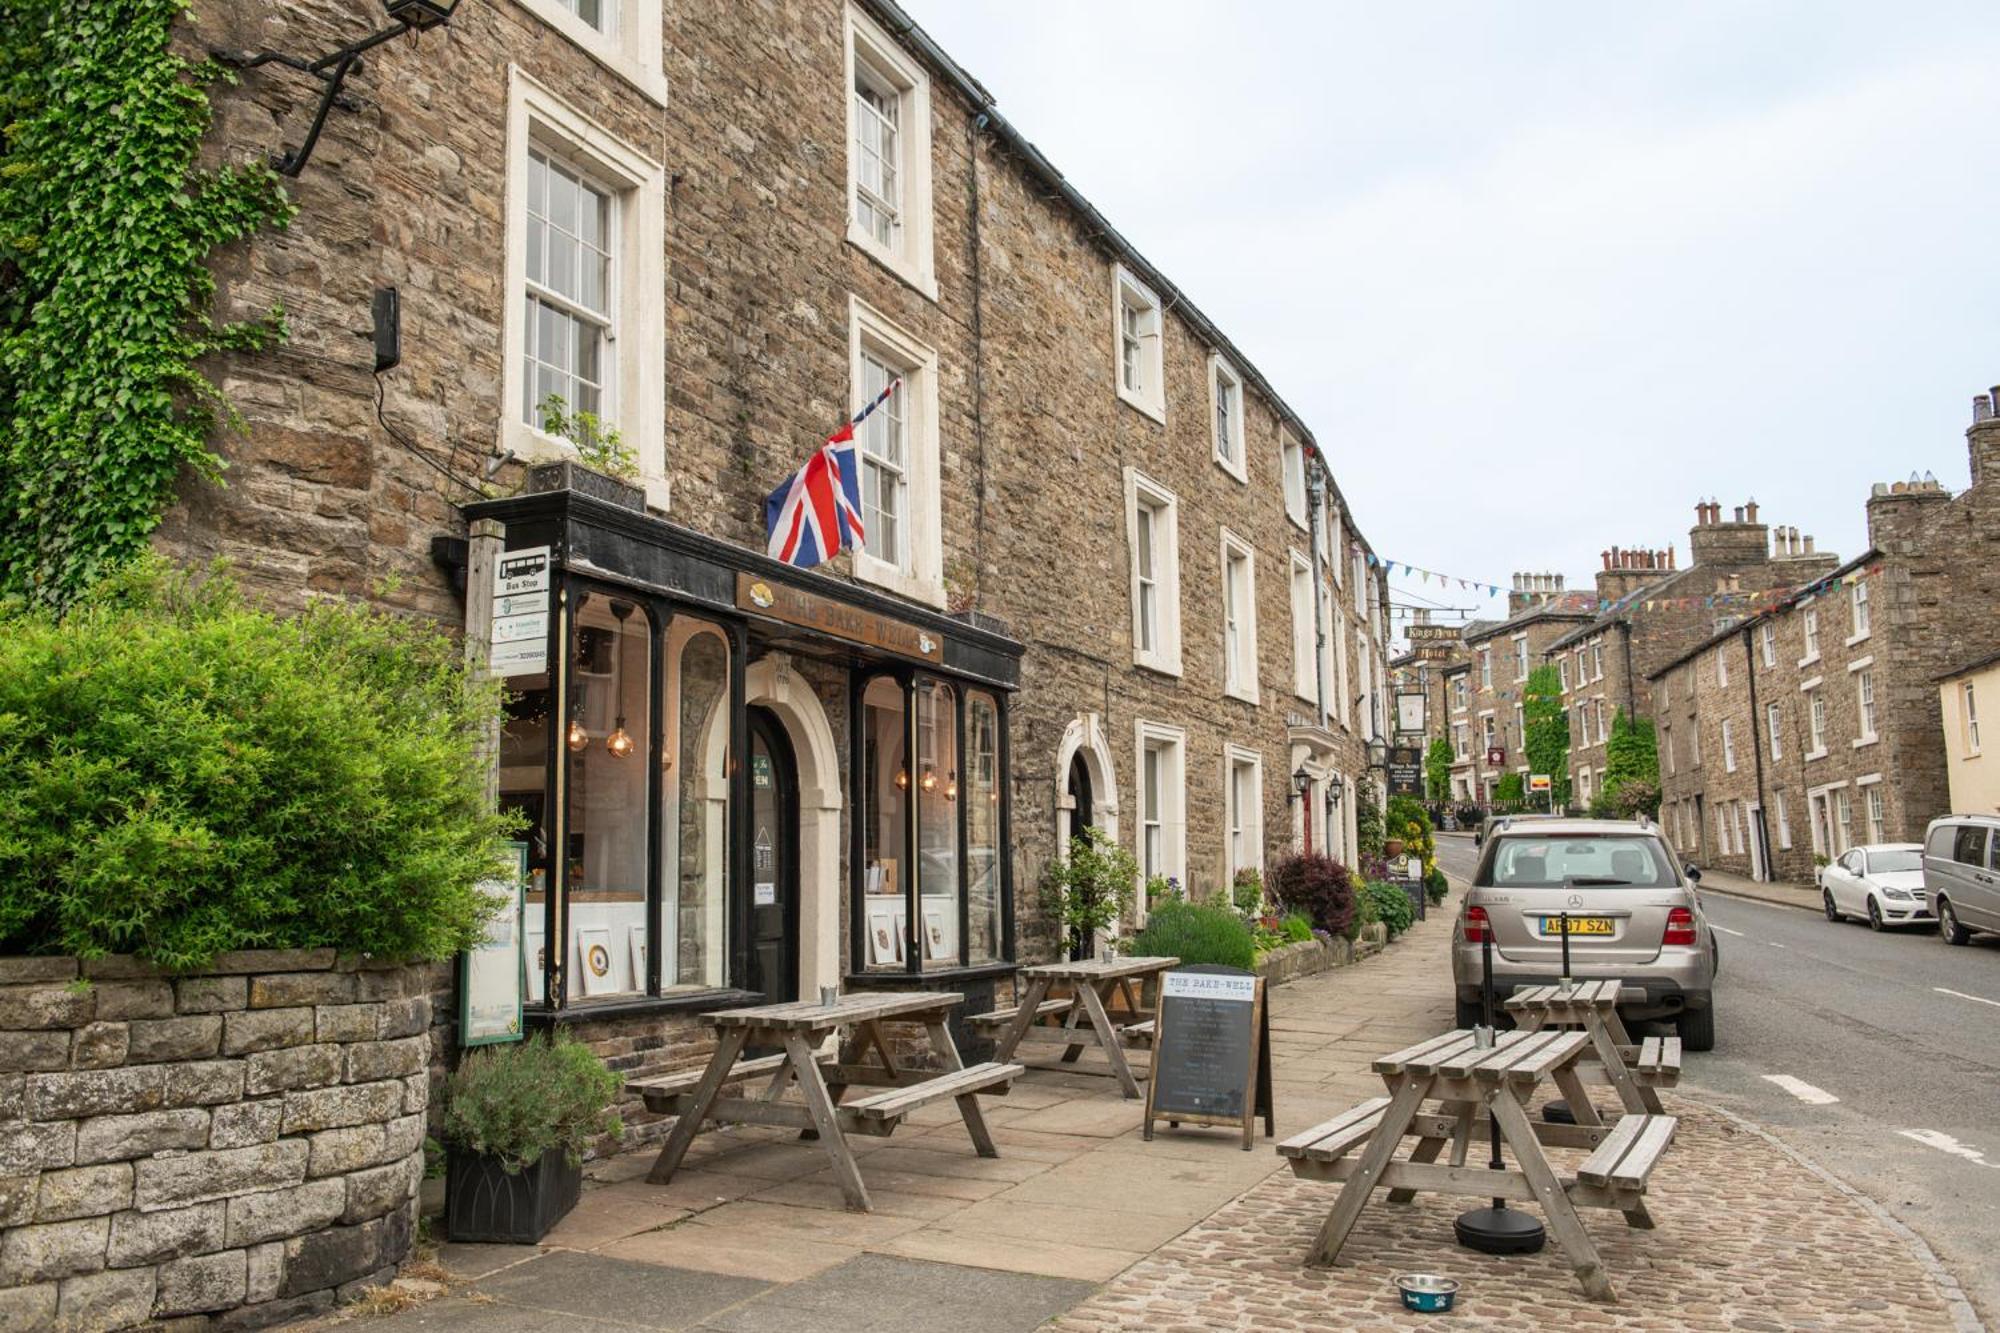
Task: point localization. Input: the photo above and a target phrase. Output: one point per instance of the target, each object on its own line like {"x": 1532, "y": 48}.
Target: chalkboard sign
{"x": 1211, "y": 1051}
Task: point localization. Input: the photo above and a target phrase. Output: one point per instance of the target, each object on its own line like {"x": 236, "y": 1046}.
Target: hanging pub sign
{"x": 1410, "y": 712}
{"x": 1406, "y": 771}
{"x": 1211, "y": 1052}
{"x": 520, "y": 627}
{"x": 493, "y": 975}
{"x": 1434, "y": 633}
{"x": 1496, "y": 757}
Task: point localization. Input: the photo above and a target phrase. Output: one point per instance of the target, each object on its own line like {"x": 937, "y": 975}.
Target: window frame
{"x": 1305, "y": 631}
{"x": 1224, "y": 379}
{"x": 1809, "y": 630}
{"x": 635, "y": 377}
{"x": 1774, "y": 729}
{"x": 1247, "y": 825}
{"x": 1520, "y": 658}
{"x": 1142, "y": 491}
{"x": 866, "y": 44}
{"x": 1861, "y": 621}
{"x": 1969, "y": 721}
{"x": 1292, "y": 469}
{"x": 1150, "y": 398}
{"x": 923, "y": 580}
{"x": 1239, "y": 657}
{"x": 1728, "y": 747}
{"x": 631, "y": 47}
{"x": 1770, "y": 637}
{"x": 1171, "y": 818}
{"x": 1865, "y": 718}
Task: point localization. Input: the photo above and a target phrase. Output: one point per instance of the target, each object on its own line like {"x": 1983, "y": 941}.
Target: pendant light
{"x": 577, "y": 738}
{"x": 619, "y": 742}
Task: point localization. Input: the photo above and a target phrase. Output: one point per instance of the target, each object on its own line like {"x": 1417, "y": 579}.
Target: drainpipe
{"x": 1316, "y": 515}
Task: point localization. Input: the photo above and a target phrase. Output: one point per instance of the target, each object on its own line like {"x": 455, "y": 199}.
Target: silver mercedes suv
{"x": 1633, "y": 915}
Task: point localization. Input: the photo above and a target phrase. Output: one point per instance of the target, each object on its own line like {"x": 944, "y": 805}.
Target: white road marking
{"x": 1932, "y": 1138}
{"x": 1725, "y": 930}
{"x": 1774, "y": 944}
{"x": 1976, "y": 999}
{"x": 1802, "y": 1090}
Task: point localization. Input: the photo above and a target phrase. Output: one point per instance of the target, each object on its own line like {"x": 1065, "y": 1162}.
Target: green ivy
{"x": 108, "y": 222}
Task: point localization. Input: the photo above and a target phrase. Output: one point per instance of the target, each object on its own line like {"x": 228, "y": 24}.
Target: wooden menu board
{"x": 1211, "y": 1051}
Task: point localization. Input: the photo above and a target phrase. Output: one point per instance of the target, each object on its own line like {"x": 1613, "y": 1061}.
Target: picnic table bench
{"x": 822, "y": 1078}
{"x": 1635, "y": 1071}
{"x": 1085, "y": 1013}
{"x": 1358, "y": 1146}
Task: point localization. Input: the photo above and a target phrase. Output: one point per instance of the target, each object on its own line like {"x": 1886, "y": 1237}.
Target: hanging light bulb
{"x": 930, "y": 779}
{"x": 579, "y": 739}
{"x": 619, "y": 742}
{"x": 902, "y": 779}
{"x": 951, "y": 787}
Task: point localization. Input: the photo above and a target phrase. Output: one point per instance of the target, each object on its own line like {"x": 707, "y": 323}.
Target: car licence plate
{"x": 1578, "y": 925}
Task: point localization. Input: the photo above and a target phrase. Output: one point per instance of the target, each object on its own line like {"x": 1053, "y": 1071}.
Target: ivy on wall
{"x": 108, "y": 221}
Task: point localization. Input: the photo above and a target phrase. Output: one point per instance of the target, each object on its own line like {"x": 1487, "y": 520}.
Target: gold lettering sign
{"x": 794, "y": 606}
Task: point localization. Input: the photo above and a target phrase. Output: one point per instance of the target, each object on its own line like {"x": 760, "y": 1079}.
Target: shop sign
{"x": 1496, "y": 757}
{"x": 1538, "y": 782}
{"x": 1433, "y": 652}
{"x": 520, "y": 627}
{"x": 1433, "y": 633}
{"x": 795, "y": 606}
{"x": 1406, "y": 771}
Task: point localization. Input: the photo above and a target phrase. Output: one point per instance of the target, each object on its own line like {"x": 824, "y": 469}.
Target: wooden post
{"x": 488, "y": 537}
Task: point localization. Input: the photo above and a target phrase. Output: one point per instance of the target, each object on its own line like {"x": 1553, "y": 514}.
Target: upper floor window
{"x": 1520, "y": 657}
{"x": 1305, "y": 634}
{"x": 1597, "y": 661}
{"x": 1458, "y": 694}
{"x": 1770, "y": 644}
{"x": 1239, "y": 618}
{"x": 1971, "y": 721}
{"x": 1292, "y": 460}
{"x": 1857, "y": 600}
{"x": 585, "y": 258}
{"x": 1774, "y": 725}
{"x": 1153, "y": 529}
{"x": 1225, "y": 392}
{"x": 1562, "y": 673}
{"x": 1816, "y": 712}
{"x": 889, "y": 153}
{"x": 1485, "y": 668}
{"x": 1810, "y": 621}
{"x": 902, "y": 547}
{"x": 624, "y": 36}
{"x": 1722, "y": 667}
{"x": 1141, "y": 352}
{"x": 1864, "y": 700}
{"x": 1458, "y": 741}
{"x": 1728, "y": 747}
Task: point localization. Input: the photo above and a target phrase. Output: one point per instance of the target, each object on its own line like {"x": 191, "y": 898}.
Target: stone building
{"x": 1484, "y": 709}
{"x": 1817, "y": 723}
{"x": 1654, "y": 610}
{"x": 1108, "y": 576}
{"x": 1964, "y": 697}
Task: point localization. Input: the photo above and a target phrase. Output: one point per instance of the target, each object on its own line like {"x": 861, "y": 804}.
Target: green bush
{"x": 1298, "y": 928}
{"x": 1364, "y": 914}
{"x": 185, "y": 774}
{"x": 1436, "y": 886}
{"x": 517, "y": 1102}
{"x": 1247, "y": 890}
{"x": 1194, "y": 933}
{"x": 1393, "y": 907}
{"x": 1317, "y": 886}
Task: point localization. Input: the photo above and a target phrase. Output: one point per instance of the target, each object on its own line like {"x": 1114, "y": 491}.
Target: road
{"x": 1878, "y": 1056}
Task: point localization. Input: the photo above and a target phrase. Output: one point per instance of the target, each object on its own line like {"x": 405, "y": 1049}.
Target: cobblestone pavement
{"x": 1748, "y": 1237}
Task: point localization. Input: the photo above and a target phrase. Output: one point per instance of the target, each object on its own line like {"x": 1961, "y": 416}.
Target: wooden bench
{"x": 1658, "y": 1062}
{"x": 1335, "y": 1138}
{"x": 1615, "y": 1175}
{"x": 663, "y": 1092}
{"x": 999, "y": 1018}
{"x": 1137, "y": 1034}
{"x": 896, "y": 1103}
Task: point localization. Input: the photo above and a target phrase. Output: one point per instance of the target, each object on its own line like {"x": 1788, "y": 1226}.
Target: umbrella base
{"x": 1499, "y": 1231}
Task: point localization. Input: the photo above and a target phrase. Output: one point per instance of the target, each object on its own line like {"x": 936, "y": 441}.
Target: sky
{"x": 1539, "y": 277}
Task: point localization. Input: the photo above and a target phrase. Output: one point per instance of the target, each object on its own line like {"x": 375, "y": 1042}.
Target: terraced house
{"x": 1108, "y": 578}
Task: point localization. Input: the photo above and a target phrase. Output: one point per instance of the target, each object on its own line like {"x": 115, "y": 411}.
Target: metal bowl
{"x": 1427, "y": 1293}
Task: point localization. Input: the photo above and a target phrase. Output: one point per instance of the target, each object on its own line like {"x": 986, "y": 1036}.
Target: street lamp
{"x": 1302, "y": 782}
{"x": 1335, "y": 789}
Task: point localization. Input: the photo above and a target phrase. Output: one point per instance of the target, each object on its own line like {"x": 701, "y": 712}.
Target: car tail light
{"x": 1680, "y": 927}
{"x": 1477, "y": 928}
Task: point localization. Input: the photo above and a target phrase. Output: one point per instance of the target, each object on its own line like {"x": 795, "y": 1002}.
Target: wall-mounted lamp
{"x": 1335, "y": 789}
{"x": 333, "y": 68}
{"x": 1302, "y": 781}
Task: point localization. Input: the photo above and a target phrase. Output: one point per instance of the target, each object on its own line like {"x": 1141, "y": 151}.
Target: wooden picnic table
{"x": 1634, "y": 1070}
{"x": 800, "y": 1028}
{"x": 1085, "y": 1014}
{"x": 1471, "y": 1081}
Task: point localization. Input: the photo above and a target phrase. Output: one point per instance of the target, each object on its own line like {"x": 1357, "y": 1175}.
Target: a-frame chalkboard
{"x": 1211, "y": 1051}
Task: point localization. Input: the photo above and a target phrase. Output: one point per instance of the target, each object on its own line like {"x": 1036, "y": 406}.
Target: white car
{"x": 1882, "y": 882}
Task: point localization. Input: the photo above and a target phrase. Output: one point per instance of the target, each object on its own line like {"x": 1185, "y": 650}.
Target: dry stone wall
{"x": 240, "y": 1146}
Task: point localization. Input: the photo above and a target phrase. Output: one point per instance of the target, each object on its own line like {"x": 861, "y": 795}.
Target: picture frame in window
{"x": 597, "y": 968}
{"x": 933, "y": 934}
{"x": 885, "y": 941}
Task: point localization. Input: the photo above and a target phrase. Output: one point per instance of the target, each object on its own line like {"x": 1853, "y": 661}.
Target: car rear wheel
{"x": 1948, "y": 926}
{"x": 1826, "y": 901}
{"x": 1874, "y": 915}
{"x": 1697, "y": 1029}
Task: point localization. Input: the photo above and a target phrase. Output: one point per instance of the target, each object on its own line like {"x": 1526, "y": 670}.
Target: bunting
{"x": 1428, "y": 575}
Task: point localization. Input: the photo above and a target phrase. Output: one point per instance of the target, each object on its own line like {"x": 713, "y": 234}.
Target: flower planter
{"x": 1392, "y": 848}
{"x": 569, "y": 475}
{"x": 484, "y": 1203}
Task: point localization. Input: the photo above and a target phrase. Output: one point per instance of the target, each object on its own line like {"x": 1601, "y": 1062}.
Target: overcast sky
{"x": 1540, "y": 276}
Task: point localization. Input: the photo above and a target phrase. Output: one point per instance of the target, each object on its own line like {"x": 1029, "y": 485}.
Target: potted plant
{"x": 516, "y": 1122}
{"x": 1089, "y": 889}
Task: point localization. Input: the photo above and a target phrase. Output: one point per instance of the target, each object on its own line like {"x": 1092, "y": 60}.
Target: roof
{"x": 1527, "y": 616}
{"x": 1972, "y": 666}
{"x": 1789, "y": 600}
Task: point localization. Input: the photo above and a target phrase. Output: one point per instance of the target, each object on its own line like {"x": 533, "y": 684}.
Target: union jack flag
{"x": 817, "y": 513}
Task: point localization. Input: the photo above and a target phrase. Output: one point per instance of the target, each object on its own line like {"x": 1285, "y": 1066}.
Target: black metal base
{"x": 1558, "y": 1113}
{"x": 1499, "y": 1231}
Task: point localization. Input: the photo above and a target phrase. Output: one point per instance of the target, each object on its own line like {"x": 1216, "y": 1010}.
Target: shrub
{"x": 1248, "y": 890}
{"x": 1392, "y": 906}
{"x": 1436, "y": 886}
{"x": 1090, "y": 888}
{"x": 1298, "y": 928}
{"x": 1195, "y": 933}
{"x": 184, "y": 774}
{"x": 1364, "y": 915}
{"x": 1317, "y": 886}
{"x": 1367, "y": 821}
{"x": 518, "y": 1102}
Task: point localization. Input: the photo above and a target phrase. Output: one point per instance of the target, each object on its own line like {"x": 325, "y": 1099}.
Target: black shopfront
{"x": 741, "y": 781}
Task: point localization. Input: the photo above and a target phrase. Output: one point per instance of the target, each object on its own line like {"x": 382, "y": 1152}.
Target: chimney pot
{"x": 1808, "y": 541}
{"x": 1750, "y": 511}
{"x": 1982, "y": 408}
{"x": 1738, "y": 513}
{"x": 1670, "y": 555}
{"x": 1993, "y": 394}
{"x": 1605, "y": 556}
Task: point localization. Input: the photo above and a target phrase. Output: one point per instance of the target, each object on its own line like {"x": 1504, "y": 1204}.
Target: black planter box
{"x": 484, "y": 1203}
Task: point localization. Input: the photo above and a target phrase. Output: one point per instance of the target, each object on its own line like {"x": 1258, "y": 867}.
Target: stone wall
{"x": 244, "y": 1143}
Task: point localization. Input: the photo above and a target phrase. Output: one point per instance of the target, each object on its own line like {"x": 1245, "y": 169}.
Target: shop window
{"x": 984, "y": 904}
{"x": 883, "y": 808}
{"x": 604, "y": 908}
{"x": 694, "y": 915}
{"x": 937, "y": 823}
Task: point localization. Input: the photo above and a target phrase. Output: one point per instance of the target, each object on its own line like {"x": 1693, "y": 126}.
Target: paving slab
{"x": 638, "y": 1295}
{"x": 733, "y": 1253}
{"x": 886, "y": 1294}
{"x": 1045, "y": 1257}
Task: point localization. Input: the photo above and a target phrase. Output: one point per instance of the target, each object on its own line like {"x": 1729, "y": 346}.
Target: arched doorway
{"x": 774, "y": 859}
{"x": 1082, "y": 811}
{"x": 773, "y": 687}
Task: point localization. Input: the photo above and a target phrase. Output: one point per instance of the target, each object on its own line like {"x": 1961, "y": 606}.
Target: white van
{"x": 1962, "y": 874}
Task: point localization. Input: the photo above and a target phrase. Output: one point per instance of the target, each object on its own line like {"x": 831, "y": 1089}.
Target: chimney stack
{"x": 1750, "y": 510}
{"x": 1808, "y": 544}
{"x": 1982, "y": 408}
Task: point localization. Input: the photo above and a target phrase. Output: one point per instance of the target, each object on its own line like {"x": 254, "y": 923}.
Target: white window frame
{"x": 920, "y": 577}
{"x": 1770, "y": 644}
{"x": 1809, "y": 626}
{"x": 1486, "y": 667}
{"x": 1520, "y": 658}
{"x": 630, "y": 46}
{"x": 1722, "y": 667}
{"x": 1461, "y": 742}
{"x": 1784, "y": 822}
{"x": 635, "y": 374}
{"x": 1728, "y": 747}
{"x": 1562, "y": 672}
{"x": 1165, "y": 655}
{"x": 1239, "y": 652}
{"x": 1969, "y": 722}
{"x": 1858, "y": 611}
{"x": 1248, "y": 825}
{"x": 1461, "y": 693}
{"x": 1865, "y": 718}
{"x": 1292, "y": 467}
{"x": 1774, "y": 729}
{"x": 1226, "y": 436}
{"x": 909, "y": 257}
{"x": 1667, "y": 744}
{"x": 1151, "y": 395}
{"x": 1816, "y": 720}
{"x": 1172, "y": 815}
{"x": 1874, "y": 807}
{"x": 1597, "y": 661}
{"x": 1305, "y": 634}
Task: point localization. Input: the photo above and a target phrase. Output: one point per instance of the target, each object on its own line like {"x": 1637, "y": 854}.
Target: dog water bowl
{"x": 1427, "y": 1293}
